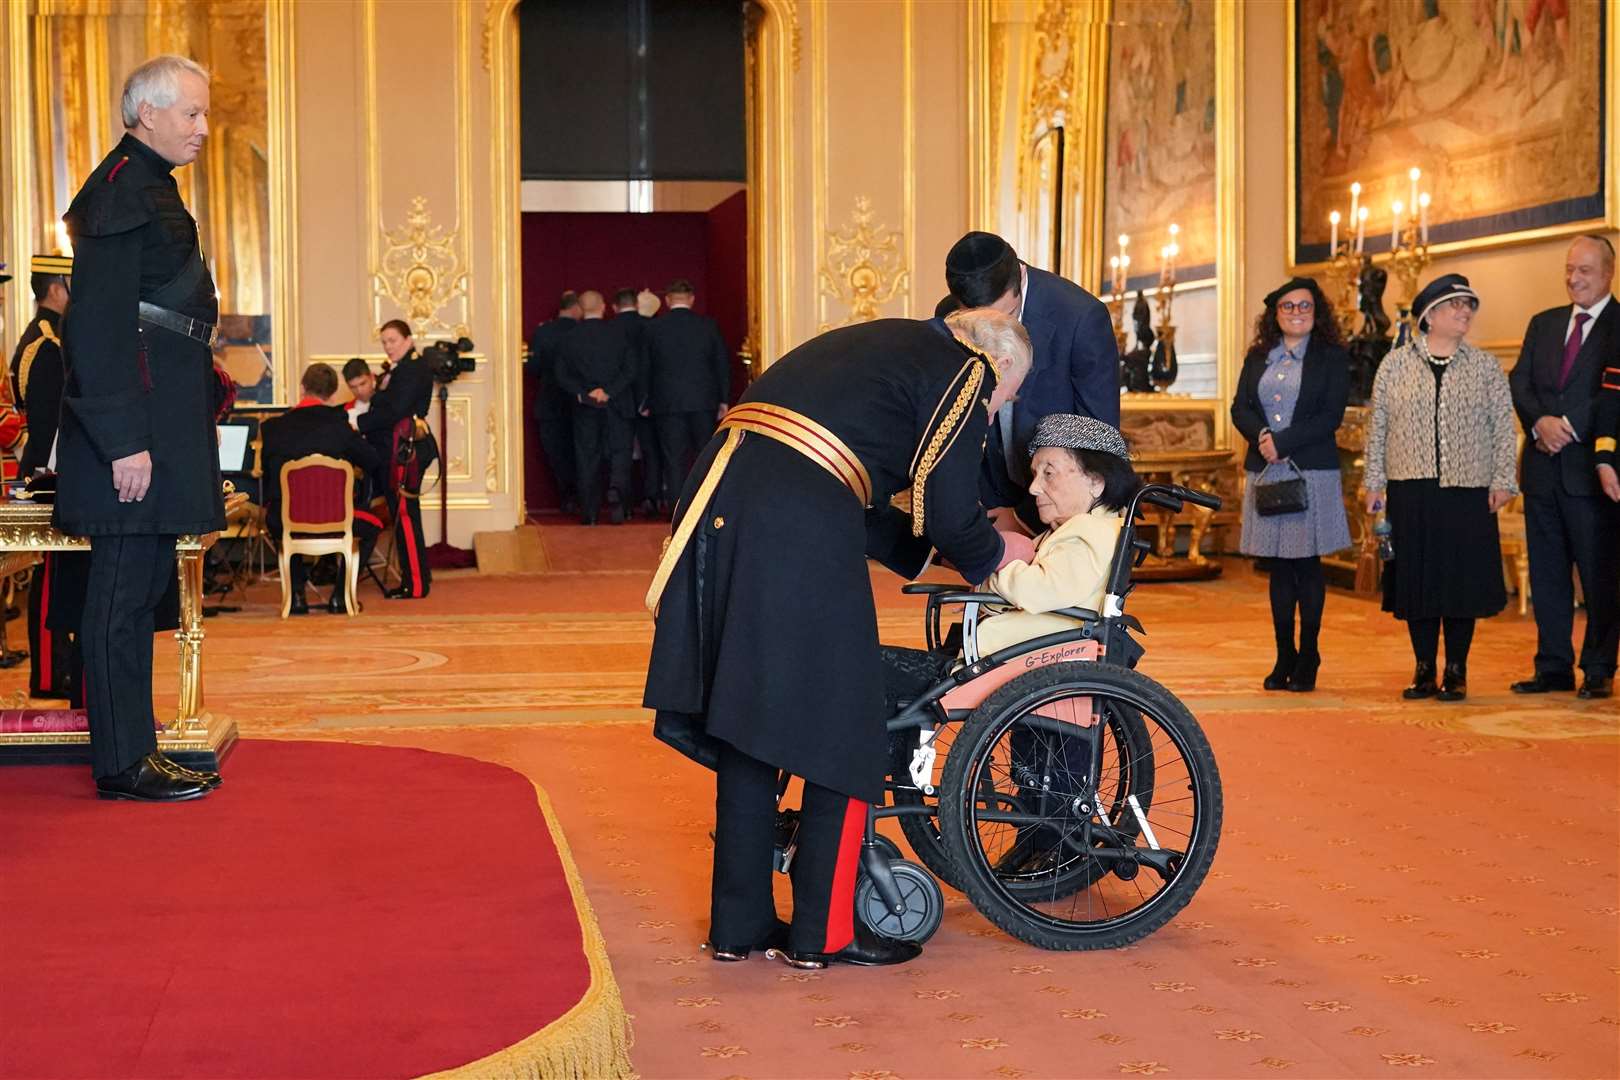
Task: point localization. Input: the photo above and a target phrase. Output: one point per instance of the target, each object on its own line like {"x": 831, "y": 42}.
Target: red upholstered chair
{"x": 317, "y": 518}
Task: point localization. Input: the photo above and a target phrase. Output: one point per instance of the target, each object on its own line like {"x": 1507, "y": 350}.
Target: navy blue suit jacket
{"x": 1076, "y": 370}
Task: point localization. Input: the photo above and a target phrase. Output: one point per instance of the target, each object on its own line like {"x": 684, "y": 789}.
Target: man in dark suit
{"x": 596, "y": 366}
{"x": 1568, "y": 520}
{"x": 316, "y": 426}
{"x": 688, "y": 384}
{"x": 628, "y": 318}
{"x": 553, "y": 407}
{"x": 1076, "y": 358}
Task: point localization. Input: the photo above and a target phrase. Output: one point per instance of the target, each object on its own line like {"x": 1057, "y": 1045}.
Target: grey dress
{"x": 1319, "y": 529}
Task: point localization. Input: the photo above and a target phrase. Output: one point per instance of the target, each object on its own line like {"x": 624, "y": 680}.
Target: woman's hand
{"x": 1268, "y": 448}
{"x": 1374, "y": 501}
{"x": 1499, "y": 499}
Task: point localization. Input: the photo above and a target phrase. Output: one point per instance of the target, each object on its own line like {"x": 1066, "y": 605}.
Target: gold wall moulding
{"x": 420, "y": 274}
{"x": 864, "y": 268}
{"x": 492, "y": 430}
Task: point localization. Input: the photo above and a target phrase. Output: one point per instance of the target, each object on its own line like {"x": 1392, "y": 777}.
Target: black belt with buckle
{"x": 195, "y": 329}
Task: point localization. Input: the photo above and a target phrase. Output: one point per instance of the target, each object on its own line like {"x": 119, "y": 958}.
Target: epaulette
{"x": 112, "y": 201}
{"x": 965, "y": 390}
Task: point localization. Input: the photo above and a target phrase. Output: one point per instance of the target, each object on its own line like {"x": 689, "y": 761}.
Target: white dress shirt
{"x": 1594, "y": 311}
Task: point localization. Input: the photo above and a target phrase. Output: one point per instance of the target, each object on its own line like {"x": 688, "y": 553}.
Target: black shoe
{"x": 1422, "y": 682}
{"x": 1544, "y": 682}
{"x": 300, "y": 605}
{"x": 587, "y": 519}
{"x": 1287, "y": 657}
{"x": 776, "y": 938}
{"x": 1454, "y": 687}
{"x": 403, "y": 593}
{"x": 867, "y": 950}
{"x": 337, "y": 605}
{"x": 206, "y": 777}
{"x": 1303, "y": 679}
{"x": 615, "y": 508}
{"x": 149, "y": 780}
{"x": 1596, "y": 686}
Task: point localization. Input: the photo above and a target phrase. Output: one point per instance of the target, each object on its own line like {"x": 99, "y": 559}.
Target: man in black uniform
{"x": 553, "y": 406}
{"x": 316, "y": 426}
{"x": 597, "y": 368}
{"x": 55, "y": 601}
{"x": 765, "y": 655}
{"x": 397, "y": 417}
{"x": 137, "y": 451}
{"x": 688, "y": 384}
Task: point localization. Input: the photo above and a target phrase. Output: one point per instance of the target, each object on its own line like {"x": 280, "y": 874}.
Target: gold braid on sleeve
{"x": 941, "y": 434}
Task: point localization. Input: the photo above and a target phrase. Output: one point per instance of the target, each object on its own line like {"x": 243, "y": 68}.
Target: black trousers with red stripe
{"x": 415, "y": 577}
{"x": 742, "y": 911}
{"x": 54, "y": 667}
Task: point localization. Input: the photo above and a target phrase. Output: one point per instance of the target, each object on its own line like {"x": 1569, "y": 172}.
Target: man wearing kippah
{"x": 1076, "y": 358}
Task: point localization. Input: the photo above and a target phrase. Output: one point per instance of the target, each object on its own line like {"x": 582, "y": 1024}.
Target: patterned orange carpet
{"x": 1401, "y": 889}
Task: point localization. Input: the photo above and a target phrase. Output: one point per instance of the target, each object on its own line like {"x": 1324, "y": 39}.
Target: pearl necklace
{"x": 1422, "y": 342}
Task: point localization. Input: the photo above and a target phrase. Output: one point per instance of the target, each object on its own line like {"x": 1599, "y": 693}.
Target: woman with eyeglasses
{"x": 1441, "y": 457}
{"x": 1289, "y": 404}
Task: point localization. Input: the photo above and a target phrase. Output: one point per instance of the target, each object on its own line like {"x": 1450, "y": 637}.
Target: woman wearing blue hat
{"x": 1441, "y": 456}
{"x": 1289, "y": 405}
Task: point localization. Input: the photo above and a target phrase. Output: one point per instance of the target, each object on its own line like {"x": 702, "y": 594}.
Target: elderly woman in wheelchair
{"x": 1075, "y": 801}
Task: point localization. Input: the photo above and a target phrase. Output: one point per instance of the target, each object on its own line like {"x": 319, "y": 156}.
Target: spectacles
{"x": 1303, "y": 307}
{"x": 1462, "y": 303}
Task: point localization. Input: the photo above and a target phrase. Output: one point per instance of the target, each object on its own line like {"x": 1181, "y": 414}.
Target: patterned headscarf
{"x": 1077, "y": 432}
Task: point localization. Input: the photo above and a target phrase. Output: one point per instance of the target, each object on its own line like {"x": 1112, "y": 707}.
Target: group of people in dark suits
{"x": 610, "y": 386}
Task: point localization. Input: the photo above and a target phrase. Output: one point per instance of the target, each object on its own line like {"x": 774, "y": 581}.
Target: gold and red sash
{"x": 783, "y": 425}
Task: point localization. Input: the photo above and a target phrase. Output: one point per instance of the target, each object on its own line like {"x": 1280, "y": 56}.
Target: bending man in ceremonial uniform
{"x": 56, "y": 598}
{"x": 137, "y": 451}
{"x": 396, "y": 419}
{"x": 765, "y": 655}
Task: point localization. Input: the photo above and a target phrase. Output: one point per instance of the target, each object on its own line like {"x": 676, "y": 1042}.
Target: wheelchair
{"x": 1075, "y": 801}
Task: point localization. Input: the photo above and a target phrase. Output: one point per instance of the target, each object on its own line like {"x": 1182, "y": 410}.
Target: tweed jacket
{"x": 1477, "y": 438}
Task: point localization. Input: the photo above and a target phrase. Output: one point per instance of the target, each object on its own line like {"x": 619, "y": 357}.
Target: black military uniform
{"x": 139, "y": 377}
{"x": 392, "y": 417}
{"x": 765, "y": 655}
{"x": 688, "y": 378}
{"x": 637, "y": 330}
{"x": 313, "y": 427}
{"x": 56, "y": 597}
{"x": 554, "y": 407}
{"x": 598, "y": 355}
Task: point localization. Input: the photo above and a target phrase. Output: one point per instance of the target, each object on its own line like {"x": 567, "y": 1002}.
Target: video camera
{"x": 445, "y": 362}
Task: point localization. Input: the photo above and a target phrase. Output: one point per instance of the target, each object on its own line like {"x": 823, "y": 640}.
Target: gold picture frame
{"x": 1474, "y": 173}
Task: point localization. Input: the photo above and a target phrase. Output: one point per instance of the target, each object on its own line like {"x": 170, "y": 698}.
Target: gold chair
{"x": 317, "y": 518}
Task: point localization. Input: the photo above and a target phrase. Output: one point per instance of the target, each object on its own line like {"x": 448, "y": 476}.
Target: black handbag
{"x": 1273, "y": 497}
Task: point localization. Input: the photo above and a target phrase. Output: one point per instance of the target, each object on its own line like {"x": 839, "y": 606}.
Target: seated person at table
{"x": 1083, "y": 481}
{"x": 315, "y": 426}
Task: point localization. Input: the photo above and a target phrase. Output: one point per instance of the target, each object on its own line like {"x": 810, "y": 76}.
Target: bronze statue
{"x": 1136, "y": 373}
{"x": 1371, "y": 343}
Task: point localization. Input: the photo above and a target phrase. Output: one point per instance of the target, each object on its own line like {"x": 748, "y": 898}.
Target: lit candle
{"x": 1355, "y": 199}
{"x": 1113, "y": 266}
{"x": 1395, "y": 225}
{"x": 64, "y": 245}
{"x": 1361, "y": 230}
{"x": 1423, "y": 218}
{"x": 1333, "y": 237}
{"x": 1175, "y": 250}
{"x": 1413, "y": 176}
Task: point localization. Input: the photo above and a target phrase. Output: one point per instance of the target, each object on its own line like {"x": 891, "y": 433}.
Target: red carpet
{"x": 333, "y": 911}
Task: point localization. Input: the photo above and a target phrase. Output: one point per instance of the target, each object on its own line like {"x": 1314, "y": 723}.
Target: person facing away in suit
{"x": 553, "y": 407}
{"x": 1568, "y": 520}
{"x": 627, "y": 316}
{"x": 1076, "y": 366}
{"x": 316, "y": 426}
{"x": 688, "y": 384}
{"x": 596, "y": 366}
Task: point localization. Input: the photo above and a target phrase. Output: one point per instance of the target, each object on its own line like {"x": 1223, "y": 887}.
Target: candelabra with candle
{"x": 1119, "y": 267}
{"x": 1165, "y": 367}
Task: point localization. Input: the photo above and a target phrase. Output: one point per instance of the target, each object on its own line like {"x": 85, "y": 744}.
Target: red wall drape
{"x": 607, "y": 252}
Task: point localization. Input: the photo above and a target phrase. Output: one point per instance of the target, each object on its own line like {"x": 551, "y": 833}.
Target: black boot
{"x": 1422, "y": 682}
{"x": 776, "y": 938}
{"x": 1455, "y": 685}
{"x": 1303, "y": 680}
{"x": 867, "y": 950}
{"x": 1287, "y": 657}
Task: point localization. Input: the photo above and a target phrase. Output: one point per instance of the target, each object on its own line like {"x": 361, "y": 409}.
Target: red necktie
{"x": 1572, "y": 348}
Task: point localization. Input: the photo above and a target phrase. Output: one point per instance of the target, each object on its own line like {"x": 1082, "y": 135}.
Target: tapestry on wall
{"x": 1500, "y": 105}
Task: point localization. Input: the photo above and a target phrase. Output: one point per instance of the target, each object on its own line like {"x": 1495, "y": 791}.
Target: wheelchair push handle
{"x": 1173, "y": 496}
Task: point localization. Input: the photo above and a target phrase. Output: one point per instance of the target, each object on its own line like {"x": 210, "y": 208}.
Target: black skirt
{"x": 1448, "y": 553}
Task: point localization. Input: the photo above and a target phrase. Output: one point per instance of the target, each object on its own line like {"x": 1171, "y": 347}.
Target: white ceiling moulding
{"x": 621, "y": 196}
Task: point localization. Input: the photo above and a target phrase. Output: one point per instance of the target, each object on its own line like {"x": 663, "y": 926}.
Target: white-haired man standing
{"x": 136, "y": 455}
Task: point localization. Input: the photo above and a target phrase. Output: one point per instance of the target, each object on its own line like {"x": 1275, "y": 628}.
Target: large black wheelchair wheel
{"x": 1081, "y": 805}
{"x": 922, "y": 830}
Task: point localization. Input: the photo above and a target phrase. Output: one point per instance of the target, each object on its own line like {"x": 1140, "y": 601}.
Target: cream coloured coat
{"x": 1070, "y": 570}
